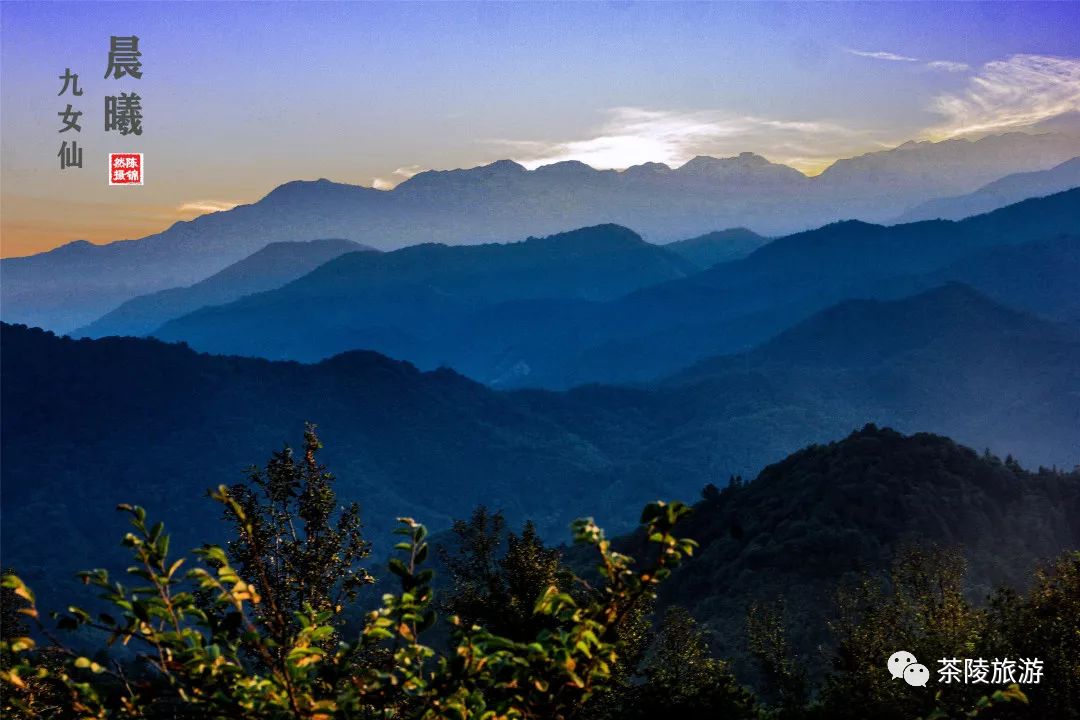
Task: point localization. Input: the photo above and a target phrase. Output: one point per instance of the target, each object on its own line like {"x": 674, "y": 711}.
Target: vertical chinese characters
{"x": 123, "y": 112}
{"x": 71, "y": 155}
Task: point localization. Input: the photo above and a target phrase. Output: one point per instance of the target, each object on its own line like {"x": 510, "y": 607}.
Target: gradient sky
{"x": 241, "y": 97}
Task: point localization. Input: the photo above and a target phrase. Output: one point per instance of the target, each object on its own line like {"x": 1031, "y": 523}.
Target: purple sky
{"x": 241, "y": 97}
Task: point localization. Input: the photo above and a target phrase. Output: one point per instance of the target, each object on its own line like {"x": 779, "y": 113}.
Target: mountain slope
{"x": 948, "y": 360}
{"x": 79, "y": 282}
{"x": 91, "y": 422}
{"x": 405, "y": 303}
{"x": 489, "y": 312}
{"x": 949, "y": 163}
{"x": 736, "y": 305}
{"x": 1005, "y": 191}
{"x": 271, "y": 267}
{"x": 73, "y": 285}
{"x": 1039, "y": 277}
{"x": 719, "y": 246}
{"x": 828, "y": 513}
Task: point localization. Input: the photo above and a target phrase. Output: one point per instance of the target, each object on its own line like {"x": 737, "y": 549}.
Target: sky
{"x": 239, "y": 98}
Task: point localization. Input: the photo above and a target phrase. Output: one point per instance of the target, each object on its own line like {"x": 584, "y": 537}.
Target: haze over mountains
{"x": 76, "y": 284}
{"x": 1006, "y": 191}
{"x": 275, "y": 265}
{"x": 411, "y": 303}
{"x": 461, "y": 307}
{"x": 589, "y": 363}
{"x": 718, "y": 246}
{"x": 138, "y": 420}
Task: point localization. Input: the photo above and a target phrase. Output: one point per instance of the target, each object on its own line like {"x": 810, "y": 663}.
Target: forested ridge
{"x": 267, "y": 625}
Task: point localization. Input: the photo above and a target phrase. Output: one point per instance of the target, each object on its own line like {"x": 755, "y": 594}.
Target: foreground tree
{"x": 922, "y": 609}
{"x": 680, "y": 677}
{"x": 1044, "y": 624}
{"x": 195, "y": 663}
{"x": 298, "y": 548}
{"x": 783, "y": 672}
{"x": 497, "y": 576}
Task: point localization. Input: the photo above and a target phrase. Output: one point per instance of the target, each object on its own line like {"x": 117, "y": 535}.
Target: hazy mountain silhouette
{"x": 406, "y": 303}
{"x": 90, "y": 422}
{"x": 953, "y": 320}
{"x": 719, "y": 246}
{"x": 74, "y": 285}
{"x": 735, "y": 305}
{"x": 504, "y": 329}
{"x": 269, "y": 268}
{"x": 1039, "y": 277}
{"x": 947, "y": 360}
{"x": 954, "y": 163}
{"x": 1007, "y": 190}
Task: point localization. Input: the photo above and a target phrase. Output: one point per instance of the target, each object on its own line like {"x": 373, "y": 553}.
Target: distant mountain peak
{"x": 603, "y": 231}
{"x": 501, "y": 166}
{"x": 649, "y": 168}
{"x": 566, "y": 168}
{"x": 708, "y": 162}
{"x": 734, "y": 232}
{"x": 594, "y": 240}
{"x": 999, "y": 193}
{"x": 962, "y": 157}
{"x": 317, "y": 242}
{"x": 74, "y": 246}
{"x": 718, "y": 246}
{"x": 853, "y": 330}
{"x": 305, "y": 189}
{"x": 739, "y": 165}
{"x": 436, "y": 178}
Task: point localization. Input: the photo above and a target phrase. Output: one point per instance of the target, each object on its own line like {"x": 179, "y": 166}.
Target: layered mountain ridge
{"x": 551, "y": 326}
{"x": 147, "y": 422}
{"x": 74, "y": 285}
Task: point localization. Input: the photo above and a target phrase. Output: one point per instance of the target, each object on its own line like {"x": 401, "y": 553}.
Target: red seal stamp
{"x": 125, "y": 168}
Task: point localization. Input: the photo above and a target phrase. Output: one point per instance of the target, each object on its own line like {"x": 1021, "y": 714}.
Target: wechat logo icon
{"x": 903, "y": 664}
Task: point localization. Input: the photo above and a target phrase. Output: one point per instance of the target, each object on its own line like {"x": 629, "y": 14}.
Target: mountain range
{"x": 75, "y": 284}
{"x": 88, "y": 423}
{"x": 267, "y": 269}
{"x": 718, "y": 246}
{"x": 554, "y": 334}
{"x": 413, "y": 303}
{"x": 1006, "y": 191}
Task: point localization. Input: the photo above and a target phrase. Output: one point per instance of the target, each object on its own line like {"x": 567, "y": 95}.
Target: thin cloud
{"x": 632, "y": 136}
{"x": 206, "y": 206}
{"x": 948, "y": 66}
{"x": 1008, "y": 94}
{"x": 404, "y": 173}
{"x": 880, "y": 55}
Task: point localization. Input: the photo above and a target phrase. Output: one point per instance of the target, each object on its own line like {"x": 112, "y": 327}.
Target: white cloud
{"x": 879, "y": 55}
{"x": 1007, "y": 94}
{"x": 206, "y": 206}
{"x": 632, "y": 136}
{"x": 948, "y": 65}
{"x": 404, "y": 173}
